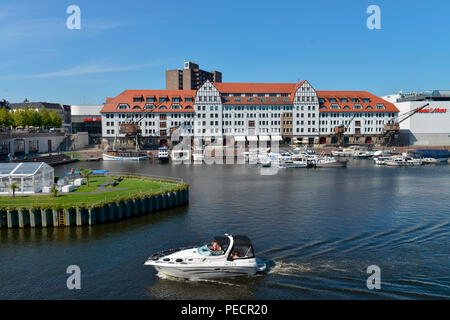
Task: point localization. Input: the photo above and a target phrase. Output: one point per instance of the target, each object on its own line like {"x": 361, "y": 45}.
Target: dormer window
{"x": 357, "y": 106}
{"x": 380, "y": 106}
{"x": 366, "y": 100}
{"x": 332, "y": 100}
{"x": 136, "y": 108}
{"x": 149, "y": 106}
{"x": 335, "y": 106}
{"x": 138, "y": 99}
{"x": 344, "y": 100}
{"x": 150, "y": 99}
{"x": 123, "y": 106}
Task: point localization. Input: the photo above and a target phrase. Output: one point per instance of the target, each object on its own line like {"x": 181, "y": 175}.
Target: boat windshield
{"x": 204, "y": 250}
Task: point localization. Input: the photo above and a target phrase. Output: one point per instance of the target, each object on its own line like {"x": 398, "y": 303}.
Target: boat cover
{"x": 431, "y": 153}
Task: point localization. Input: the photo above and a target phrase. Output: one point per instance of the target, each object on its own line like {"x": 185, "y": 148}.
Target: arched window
{"x": 149, "y": 106}
{"x": 162, "y": 107}
{"x": 322, "y": 107}
{"x": 189, "y": 107}
{"x": 346, "y": 108}
{"x": 136, "y": 107}
{"x": 369, "y": 108}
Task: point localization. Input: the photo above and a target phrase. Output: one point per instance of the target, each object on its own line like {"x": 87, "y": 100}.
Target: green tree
{"x": 6, "y": 119}
{"x": 55, "y": 120}
{"x": 19, "y": 118}
{"x": 85, "y": 173}
{"x": 13, "y": 188}
{"x": 45, "y": 118}
{"x": 54, "y": 191}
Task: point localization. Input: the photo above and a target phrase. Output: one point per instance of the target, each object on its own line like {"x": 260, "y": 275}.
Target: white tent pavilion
{"x": 30, "y": 177}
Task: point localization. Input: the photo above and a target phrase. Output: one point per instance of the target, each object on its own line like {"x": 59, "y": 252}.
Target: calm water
{"x": 319, "y": 229}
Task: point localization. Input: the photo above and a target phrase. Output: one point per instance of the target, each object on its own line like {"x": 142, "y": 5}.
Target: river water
{"x": 319, "y": 230}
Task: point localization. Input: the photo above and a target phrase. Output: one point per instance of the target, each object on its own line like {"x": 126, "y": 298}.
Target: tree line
{"x": 28, "y": 117}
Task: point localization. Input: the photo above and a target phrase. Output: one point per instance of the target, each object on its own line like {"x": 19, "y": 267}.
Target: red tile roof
{"x": 348, "y": 106}
{"x": 229, "y": 87}
{"x": 127, "y": 96}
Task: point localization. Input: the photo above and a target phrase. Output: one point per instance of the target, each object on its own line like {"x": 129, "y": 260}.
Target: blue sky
{"x": 129, "y": 45}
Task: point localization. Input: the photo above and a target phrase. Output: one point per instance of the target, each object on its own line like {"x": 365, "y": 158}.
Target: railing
{"x": 115, "y": 173}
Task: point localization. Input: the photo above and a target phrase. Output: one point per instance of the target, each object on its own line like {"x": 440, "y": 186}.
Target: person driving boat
{"x": 215, "y": 246}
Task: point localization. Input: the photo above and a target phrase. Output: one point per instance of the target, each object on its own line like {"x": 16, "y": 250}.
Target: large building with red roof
{"x": 249, "y": 111}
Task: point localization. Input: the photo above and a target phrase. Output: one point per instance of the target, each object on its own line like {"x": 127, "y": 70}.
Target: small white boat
{"x": 363, "y": 155}
{"x": 123, "y": 156}
{"x": 403, "y": 161}
{"x": 231, "y": 256}
{"x": 163, "y": 154}
{"x": 284, "y": 164}
{"x": 330, "y": 162}
{"x": 346, "y": 152}
{"x": 381, "y": 160}
{"x": 430, "y": 161}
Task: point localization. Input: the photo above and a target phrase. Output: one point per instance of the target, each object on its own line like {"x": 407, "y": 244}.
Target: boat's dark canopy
{"x": 240, "y": 240}
{"x": 429, "y": 153}
{"x": 223, "y": 241}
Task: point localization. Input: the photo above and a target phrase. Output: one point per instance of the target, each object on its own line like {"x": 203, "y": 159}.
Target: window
{"x": 136, "y": 108}
{"x": 123, "y": 106}
{"x": 138, "y": 99}
{"x": 366, "y": 100}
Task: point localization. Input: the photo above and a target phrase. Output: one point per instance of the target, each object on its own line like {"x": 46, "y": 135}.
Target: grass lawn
{"x": 86, "y": 196}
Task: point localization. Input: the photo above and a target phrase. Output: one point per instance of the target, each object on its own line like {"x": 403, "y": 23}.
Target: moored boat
{"x": 403, "y": 161}
{"x": 123, "y": 156}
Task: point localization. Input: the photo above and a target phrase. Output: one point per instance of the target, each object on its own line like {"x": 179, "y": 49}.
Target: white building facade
{"x": 290, "y": 112}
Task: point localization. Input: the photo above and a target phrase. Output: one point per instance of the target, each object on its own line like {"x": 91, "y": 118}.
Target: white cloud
{"x": 80, "y": 70}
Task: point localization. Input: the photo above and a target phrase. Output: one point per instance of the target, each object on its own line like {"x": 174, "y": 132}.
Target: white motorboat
{"x": 232, "y": 256}
{"x": 284, "y": 164}
{"x": 403, "y": 161}
{"x": 346, "y": 152}
{"x": 329, "y": 162}
{"x": 363, "y": 155}
{"x": 163, "y": 154}
{"x": 430, "y": 161}
{"x": 123, "y": 156}
{"x": 381, "y": 160}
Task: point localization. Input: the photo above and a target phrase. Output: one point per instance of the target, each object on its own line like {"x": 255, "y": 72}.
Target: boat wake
{"x": 287, "y": 268}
